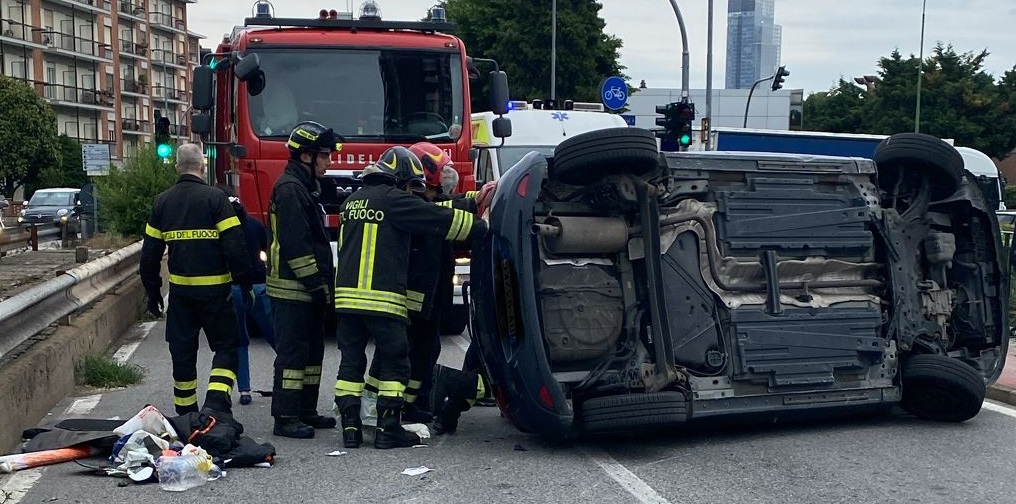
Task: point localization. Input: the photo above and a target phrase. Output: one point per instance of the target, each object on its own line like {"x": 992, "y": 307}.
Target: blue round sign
{"x": 614, "y": 93}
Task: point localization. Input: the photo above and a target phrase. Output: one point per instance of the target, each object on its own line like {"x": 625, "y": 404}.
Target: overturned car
{"x": 621, "y": 288}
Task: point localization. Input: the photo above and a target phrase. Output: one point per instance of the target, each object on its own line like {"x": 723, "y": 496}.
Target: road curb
{"x": 1002, "y": 393}
{"x": 42, "y": 374}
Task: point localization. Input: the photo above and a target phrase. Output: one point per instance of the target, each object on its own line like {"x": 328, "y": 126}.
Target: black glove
{"x": 247, "y": 293}
{"x": 155, "y": 306}
{"x": 319, "y": 296}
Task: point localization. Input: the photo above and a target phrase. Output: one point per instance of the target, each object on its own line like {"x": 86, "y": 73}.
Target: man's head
{"x": 399, "y": 166}
{"x": 312, "y": 144}
{"x": 190, "y": 160}
{"x": 449, "y": 179}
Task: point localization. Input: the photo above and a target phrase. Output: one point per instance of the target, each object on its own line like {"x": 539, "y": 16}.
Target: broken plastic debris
{"x": 336, "y": 453}
{"x": 416, "y": 471}
{"x": 419, "y": 429}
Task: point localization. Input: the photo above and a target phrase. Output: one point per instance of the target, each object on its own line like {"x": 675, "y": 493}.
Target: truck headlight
{"x": 456, "y": 280}
{"x": 61, "y": 212}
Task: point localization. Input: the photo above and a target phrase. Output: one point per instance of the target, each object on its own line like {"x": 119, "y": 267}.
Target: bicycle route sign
{"x": 614, "y": 92}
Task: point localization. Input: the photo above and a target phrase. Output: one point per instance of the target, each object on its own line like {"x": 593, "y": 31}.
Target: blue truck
{"x": 820, "y": 143}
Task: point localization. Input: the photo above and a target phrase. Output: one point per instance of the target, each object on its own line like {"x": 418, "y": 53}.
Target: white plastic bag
{"x": 150, "y": 420}
{"x": 368, "y": 408}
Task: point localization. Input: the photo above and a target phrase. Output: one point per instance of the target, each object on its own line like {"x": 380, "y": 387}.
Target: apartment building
{"x": 106, "y": 67}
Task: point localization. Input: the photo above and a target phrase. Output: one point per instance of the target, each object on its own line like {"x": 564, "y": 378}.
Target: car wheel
{"x": 632, "y": 412}
{"x": 925, "y": 155}
{"x": 587, "y": 158}
{"x": 936, "y": 387}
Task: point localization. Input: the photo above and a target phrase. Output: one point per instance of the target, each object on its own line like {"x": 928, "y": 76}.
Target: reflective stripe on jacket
{"x": 207, "y": 248}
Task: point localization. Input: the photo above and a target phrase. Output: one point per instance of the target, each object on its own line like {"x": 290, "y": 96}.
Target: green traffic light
{"x": 685, "y": 139}
{"x": 212, "y": 63}
{"x": 164, "y": 150}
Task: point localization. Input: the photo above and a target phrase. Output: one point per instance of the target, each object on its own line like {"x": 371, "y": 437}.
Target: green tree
{"x": 959, "y": 100}
{"x": 517, "y": 34}
{"x": 28, "y": 135}
{"x": 125, "y": 195}
{"x": 70, "y": 172}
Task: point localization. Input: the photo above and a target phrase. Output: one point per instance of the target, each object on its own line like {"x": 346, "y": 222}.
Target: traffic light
{"x": 163, "y": 147}
{"x": 676, "y": 122}
{"x": 778, "y": 79}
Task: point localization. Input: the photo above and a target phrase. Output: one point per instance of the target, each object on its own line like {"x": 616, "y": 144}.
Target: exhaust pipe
{"x": 583, "y": 235}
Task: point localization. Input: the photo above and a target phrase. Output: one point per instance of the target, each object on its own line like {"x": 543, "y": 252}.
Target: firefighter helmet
{"x": 312, "y": 137}
{"x": 400, "y": 166}
{"x": 434, "y": 159}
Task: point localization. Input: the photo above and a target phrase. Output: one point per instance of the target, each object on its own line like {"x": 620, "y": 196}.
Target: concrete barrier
{"x": 41, "y": 375}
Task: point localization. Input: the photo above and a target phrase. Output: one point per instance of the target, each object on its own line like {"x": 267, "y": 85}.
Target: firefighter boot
{"x": 352, "y": 427}
{"x": 414, "y": 414}
{"x": 454, "y": 391}
{"x": 292, "y": 427}
{"x": 389, "y": 433}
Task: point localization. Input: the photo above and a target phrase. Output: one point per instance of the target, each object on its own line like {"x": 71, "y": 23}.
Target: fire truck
{"x": 375, "y": 82}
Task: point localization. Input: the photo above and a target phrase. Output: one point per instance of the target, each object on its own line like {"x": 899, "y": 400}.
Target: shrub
{"x": 127, "y": 193}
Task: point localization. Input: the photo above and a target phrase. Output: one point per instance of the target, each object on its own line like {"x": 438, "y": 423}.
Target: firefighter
{"x": 207, "y": 252}
{"x": 300, "y": 273}
{"x": 427, "y": 252}
{"x": 378, "y": 222}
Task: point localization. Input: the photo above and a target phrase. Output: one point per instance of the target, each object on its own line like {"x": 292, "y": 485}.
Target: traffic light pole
{"x": 685, "y": 59}
{"x": 746, "y": 105}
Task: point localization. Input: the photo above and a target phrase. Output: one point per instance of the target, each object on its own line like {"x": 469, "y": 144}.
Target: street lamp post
{"x": 920, "y": 72}
{"x": 709, "y": 74}
{"x": 553, "y": 50}
{"x": 752, "y": 91}
{"x": 684, "y": 54}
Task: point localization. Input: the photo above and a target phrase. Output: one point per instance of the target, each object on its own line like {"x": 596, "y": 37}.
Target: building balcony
{"x": 129, "y": 85}
{"x": 132, "y": 10}
{"x": 96, "y": 6}
{"x": 73, "y": 47}
{"x": 168, "y": 93}
{"x": 131, "y": 126}
{"x": 73, "y": 96}
{"x": 166, "y": 22}
{"x": 133, "y": 49}
{"x": 19, "y": 33}
{"x": 164, "y": 57}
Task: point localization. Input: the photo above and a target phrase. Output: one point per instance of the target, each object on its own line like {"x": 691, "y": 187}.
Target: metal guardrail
{"x": 29, "y": 312}
{"x": 12, "y": 238}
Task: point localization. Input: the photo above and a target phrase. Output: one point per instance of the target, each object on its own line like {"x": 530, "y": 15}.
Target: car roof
{"x": 58, "y": 189}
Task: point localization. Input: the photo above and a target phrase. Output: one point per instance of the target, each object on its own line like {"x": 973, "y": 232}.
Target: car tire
{"x": 632, "y": 412}
{"x": 932, "y": 157}
{"x": 936, "y": 387}
{"x": 588, "y": 157}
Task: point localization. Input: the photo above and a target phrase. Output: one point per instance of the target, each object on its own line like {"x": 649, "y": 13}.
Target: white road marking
{"x": 461, "y": 342}
{"x": 999, "y": 408}
{"x": 83, "y": 405}
{"x": 627, "y": 479}
{"x": 123, "y": 354}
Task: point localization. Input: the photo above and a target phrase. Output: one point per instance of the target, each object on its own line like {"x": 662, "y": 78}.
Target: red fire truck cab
{"x": 377, "y": 83}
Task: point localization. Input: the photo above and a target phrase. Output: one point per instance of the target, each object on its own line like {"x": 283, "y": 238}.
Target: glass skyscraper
{"x": 753, "y": 42}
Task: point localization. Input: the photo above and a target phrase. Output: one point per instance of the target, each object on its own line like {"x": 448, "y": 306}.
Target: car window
{"x": 484, "y": 167}
{"x": 52, "y": 199}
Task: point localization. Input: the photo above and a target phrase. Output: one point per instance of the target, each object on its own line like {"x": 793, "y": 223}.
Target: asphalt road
{"x": 894, "y": 460}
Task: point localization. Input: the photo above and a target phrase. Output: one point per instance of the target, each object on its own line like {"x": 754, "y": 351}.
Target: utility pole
{"x": 553, "y": 50}
{"x": 709, "y": 77}
{"x": 920, "y": 72}
{"x": 684, "y": 54}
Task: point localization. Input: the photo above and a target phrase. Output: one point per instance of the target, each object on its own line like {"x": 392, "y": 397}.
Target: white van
{"x": 985, "y": 172}
{"x": 532, "y": 130}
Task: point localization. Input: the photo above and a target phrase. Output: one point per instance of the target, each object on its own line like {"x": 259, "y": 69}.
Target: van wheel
{"x": 587, "y": 158}
{"x": 922, "y": 155}
{"x": 936, "y": 387}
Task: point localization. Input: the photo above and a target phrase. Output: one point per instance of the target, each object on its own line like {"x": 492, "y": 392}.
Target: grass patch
{"x": 109, "y": 241}
{"x": 104, "y": 372}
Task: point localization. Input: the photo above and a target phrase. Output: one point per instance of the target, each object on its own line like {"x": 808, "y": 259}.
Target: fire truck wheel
{"x": 587, "y": 158}
{"x": 917, "y": 154}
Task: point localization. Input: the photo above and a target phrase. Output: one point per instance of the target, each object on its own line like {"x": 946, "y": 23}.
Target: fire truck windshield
{"x": 368, "y": 95}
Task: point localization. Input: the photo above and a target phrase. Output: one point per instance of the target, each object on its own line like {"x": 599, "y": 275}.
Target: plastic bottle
{"x": 177, "y": 474}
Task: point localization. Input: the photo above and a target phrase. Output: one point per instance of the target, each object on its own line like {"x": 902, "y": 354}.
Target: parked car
{"x": 621, "y": 289}
{"x": 49, "y": 207}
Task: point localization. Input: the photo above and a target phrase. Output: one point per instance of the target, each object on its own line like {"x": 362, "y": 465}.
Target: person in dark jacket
{"x": 206, "y": 254}
{"x": 260, "y": 313}
{"x": 300, "y": 276}
{"x": 378, "y": 222}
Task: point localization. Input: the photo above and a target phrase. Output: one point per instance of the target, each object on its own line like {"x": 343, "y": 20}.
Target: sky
{"x": 822, "y": 39}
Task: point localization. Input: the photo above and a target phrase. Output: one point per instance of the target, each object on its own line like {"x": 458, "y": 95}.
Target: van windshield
{"x": 51, "y": 199}
{"x": 508, "y": 156}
